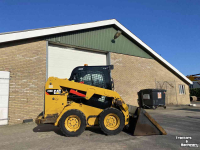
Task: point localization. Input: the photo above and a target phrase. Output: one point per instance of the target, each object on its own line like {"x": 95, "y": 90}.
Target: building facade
{"x": 34, "y": 55}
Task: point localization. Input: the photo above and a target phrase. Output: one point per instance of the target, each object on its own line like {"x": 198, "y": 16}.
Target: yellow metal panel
{"x": 54, "y": 104}
{"x": 194, "y": 78}
{"x": 87, "y": 110}
{"x": 126, "y": 116}
{"x": 93, "y": 121}
{"x": 90, "y": 93}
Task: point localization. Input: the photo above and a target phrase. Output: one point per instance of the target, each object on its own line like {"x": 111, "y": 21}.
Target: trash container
{"x": 151, "y": 98}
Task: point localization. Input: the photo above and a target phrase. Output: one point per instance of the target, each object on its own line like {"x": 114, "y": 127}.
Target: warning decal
{"x": 159, "y": 95}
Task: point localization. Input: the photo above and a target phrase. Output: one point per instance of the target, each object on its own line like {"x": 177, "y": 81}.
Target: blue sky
{"x": 170, "y": 27}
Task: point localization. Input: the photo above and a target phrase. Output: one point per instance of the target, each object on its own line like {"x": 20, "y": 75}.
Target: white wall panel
{"x": 62, "y": 60}
{"x": 4, "y": 96}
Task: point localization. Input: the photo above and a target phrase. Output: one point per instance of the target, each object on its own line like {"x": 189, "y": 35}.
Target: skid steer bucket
{"x": 141, "y": 123}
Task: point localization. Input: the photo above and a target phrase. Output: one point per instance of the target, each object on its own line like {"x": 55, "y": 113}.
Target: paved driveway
{"x": 177, "y": 121}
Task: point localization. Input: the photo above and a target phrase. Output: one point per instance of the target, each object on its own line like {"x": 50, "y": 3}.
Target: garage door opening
{"x": 62, "y": 60}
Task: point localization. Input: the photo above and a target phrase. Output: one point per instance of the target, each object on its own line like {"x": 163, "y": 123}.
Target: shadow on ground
{"x": 51, "y": 128}
{"x": 95, "y": 129}
{"x": 189, "y": 109}
{"x": 193, "y": 117}
{"x": 48, "y": 128}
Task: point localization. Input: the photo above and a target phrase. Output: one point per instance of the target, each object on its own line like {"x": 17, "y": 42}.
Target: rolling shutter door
{"x": 62, "y": 60}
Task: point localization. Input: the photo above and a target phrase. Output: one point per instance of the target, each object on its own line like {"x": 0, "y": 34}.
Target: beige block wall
{"x": 26, "y": 61}
{"x": 27, "y": 65}
{"x": 131, "y": 74}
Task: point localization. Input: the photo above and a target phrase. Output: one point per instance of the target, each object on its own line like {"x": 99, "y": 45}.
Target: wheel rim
{"x": 72, "y": 123}
{"x": 111, "y": 121}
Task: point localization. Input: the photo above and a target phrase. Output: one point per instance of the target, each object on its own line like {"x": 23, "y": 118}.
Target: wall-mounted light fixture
{"x": 117, "y": 34}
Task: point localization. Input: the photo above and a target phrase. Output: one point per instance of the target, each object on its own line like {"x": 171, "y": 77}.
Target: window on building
{"x": 181, "y": 89}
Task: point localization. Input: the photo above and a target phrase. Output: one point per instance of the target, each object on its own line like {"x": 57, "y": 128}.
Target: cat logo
{"x": 57, "y": 91}
{"x": 53, "y": 92}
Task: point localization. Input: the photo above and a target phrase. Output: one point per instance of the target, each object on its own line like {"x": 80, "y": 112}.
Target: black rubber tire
{"x": 104, "y": 114}
{"x": 82, "y": 126}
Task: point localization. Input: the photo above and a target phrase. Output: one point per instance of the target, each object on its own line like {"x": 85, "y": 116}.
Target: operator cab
{"x": 98, "y": 76}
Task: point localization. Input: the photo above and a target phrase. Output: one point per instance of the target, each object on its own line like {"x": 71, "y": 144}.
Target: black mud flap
{"x": 141, "y": 123}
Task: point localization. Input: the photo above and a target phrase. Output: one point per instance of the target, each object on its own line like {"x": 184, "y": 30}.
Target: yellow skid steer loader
{"x": 87, "y": 99}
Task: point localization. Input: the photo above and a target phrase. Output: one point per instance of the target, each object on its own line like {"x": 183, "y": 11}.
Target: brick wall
{"x": 131, "y": 74}
{"x": 26, "y": 61}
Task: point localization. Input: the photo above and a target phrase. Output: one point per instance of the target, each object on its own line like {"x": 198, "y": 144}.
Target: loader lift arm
{"x": 57, "y": 83}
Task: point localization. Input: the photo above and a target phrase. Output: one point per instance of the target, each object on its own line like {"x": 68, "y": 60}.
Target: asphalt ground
{"x": 177, "y": 121}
